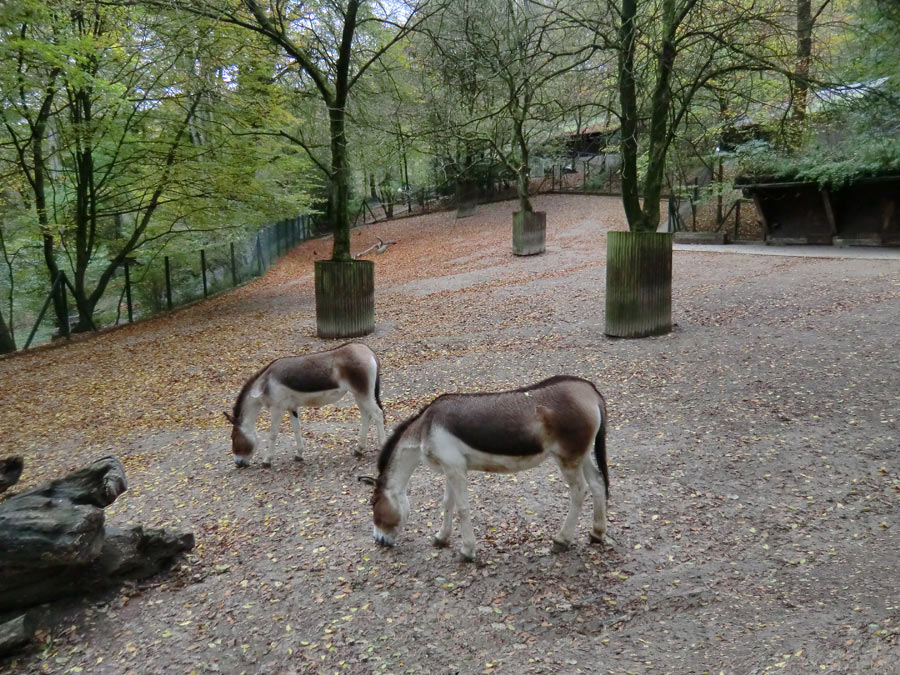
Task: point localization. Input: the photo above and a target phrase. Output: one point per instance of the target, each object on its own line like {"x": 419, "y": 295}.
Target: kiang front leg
{"x": 277, "y": 416}
{"x": 442, "y": 538}
{"x": 577, "y": 492}
{"x": 457, "y": 484}
{"x": 295, "y": 425}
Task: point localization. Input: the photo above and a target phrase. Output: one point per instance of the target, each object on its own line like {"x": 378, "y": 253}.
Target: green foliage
{"x": 842, "y": 149}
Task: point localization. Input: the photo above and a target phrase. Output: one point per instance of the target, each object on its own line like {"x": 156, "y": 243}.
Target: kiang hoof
{"x": 466, "y": 557}
{"x": 560, "y": 546}
{"x": 603, "y": 539}
{"x": 298, "y": 458}
{"x": 266, "y": 465}
{"x": 359, "y": 454}
{"x": 440, "y": 543}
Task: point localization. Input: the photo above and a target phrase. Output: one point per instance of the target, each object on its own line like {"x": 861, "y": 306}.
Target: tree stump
{"x": 529, "y": 232}
{"x": 466, "y": 199}
{"x": 638, "y": 284}
{"x": 345, "y": 298}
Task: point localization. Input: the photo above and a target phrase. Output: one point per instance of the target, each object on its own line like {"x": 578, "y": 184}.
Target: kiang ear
{"x": 368, "y": 480}
{"x": 228, "y": 417}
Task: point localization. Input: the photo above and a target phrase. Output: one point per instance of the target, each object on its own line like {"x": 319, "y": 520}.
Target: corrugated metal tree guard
{"x": 345, "y": 298}
{"x": 638, "y": 284}
{"x": 529, "y": 232}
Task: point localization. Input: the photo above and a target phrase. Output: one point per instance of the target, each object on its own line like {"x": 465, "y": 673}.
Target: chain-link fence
{"x": 147, "y": 285}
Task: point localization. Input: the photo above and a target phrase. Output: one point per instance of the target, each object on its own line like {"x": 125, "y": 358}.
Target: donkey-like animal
{"x": 310, "y": 380}
{"x": 562, "y": 417}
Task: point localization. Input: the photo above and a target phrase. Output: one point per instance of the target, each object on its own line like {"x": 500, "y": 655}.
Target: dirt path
{"x": 753, "y": 457}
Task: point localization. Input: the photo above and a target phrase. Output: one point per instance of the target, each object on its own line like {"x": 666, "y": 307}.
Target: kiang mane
{"x": 239, "y": 403}
{"x": 384, "y": 457}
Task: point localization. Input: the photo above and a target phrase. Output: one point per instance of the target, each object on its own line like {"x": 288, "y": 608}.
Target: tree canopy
{"x": 133, "y": 126}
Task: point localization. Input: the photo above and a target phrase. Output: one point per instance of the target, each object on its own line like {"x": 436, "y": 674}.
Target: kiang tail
{"x": 600, "y": 447}
{"x": 378, "y": 389}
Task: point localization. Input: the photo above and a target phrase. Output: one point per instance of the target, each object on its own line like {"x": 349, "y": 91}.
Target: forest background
{"x": 136, "y": 131}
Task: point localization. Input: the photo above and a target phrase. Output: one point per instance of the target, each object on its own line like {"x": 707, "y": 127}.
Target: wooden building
{"x": 863, "y": 213}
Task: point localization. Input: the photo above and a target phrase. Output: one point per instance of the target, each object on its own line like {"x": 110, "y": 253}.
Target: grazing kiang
{"x": 505, "y": 432}
{"x": 306, "y": 381}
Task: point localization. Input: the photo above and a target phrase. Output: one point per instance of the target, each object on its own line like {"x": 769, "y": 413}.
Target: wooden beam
{"x": 829, "y": 211}
{"x": 762, "y": 215}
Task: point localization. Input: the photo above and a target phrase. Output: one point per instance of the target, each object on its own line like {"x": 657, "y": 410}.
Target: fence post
{"x": 128, "y": 293}
{"x": 64, "y": 303}
{"x": 168, "y": 286}
{"x": 233, "y": 267}
{"x": 258, "y": 254}
{"x": 203, "y": 266}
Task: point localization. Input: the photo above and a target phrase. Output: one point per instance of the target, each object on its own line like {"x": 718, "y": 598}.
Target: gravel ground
{"x": 753, "y": 458}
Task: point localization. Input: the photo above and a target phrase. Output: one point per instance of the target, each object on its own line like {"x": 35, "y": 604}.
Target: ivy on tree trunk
{"x": 644, "y": 216}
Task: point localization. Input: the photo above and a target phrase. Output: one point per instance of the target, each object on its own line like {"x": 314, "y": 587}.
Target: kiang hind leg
{"x": 578, "y": 489}
{"x": 295, "y": 425}
{"x": 369, "y": 412}
{"x": 598, "y": 492}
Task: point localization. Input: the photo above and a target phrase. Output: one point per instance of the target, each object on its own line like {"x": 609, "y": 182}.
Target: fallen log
{"x": 60, "y": 522}
{"x": 10, "y": 470}
{"x": 54, "y": 542}
{"x": 15, "y": 633}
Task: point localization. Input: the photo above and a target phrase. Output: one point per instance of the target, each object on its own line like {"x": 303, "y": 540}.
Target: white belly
{"x": 445, "y": 449}
{"x": 288, "y": 399}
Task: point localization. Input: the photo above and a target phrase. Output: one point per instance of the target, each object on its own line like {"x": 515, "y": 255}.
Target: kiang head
{"x": 390, "y": 505}
{"x": 390, "y": 509}
{"x": 242, "y": 445}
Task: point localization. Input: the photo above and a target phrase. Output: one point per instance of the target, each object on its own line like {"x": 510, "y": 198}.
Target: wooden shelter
{"x": 864, "y": 213}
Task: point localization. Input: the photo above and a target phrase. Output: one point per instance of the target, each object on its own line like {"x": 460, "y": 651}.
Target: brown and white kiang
{"x": 505, "y": 432}
{"x": 306, "y": 381}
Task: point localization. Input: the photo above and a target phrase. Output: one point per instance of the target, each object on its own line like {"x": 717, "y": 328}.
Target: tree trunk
{"x": 7, "y": 340}
{"x": 340, "y": 189}
{"x": 345, "y": 298}
{"x": 466, "y": 198}
{"x": 803, "y": 61}
{"x": 629, "y": 116}
{"x": 529, "y": 232}
{"x": 638, "y": 284}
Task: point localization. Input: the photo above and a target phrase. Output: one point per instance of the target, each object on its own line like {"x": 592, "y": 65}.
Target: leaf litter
{"x": 753, "y": 456}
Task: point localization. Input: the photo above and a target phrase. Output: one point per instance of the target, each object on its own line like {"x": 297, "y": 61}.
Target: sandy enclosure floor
{"x": 755, "y": 473}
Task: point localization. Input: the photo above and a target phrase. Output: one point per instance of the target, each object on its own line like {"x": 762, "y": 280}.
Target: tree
{"x": 329, "y": 42}
{"x": 667, "y": 53}
{"x": 117, "y": 130}
{"x": 502, "y": 56}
